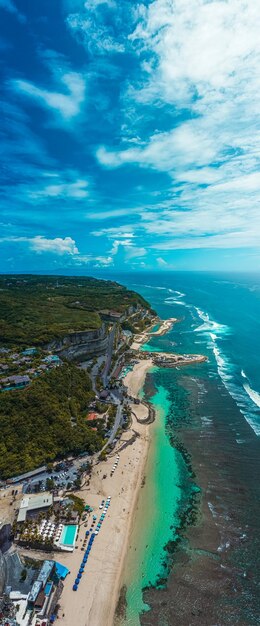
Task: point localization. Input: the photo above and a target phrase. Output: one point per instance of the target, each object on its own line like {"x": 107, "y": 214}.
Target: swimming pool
{"x": 48, "y": 588}
{"x": 68, "y": 537}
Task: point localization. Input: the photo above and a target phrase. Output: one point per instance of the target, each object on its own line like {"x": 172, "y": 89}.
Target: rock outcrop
{"x": 81, "y": 345}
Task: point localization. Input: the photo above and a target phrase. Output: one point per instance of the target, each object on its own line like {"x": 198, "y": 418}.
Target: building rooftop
{"x": 40, "y": 501}
{"x": 91, "y": 417}
{"x": 41, "y": 581}
{"x": 16, "y": 379}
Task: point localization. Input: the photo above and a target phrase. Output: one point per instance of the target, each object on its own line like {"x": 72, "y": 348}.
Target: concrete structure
{"x": 45, "y": 572}
{"x": 34, "y": 504}
{"x": 27, "y": 475}
{"x": 111, "y": 316}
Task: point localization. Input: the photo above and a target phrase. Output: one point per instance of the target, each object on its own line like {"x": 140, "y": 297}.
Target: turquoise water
{"x": 155, "y": 328}
{"x": 48, "y": 588}
{"x": 146, "y": 347}
{"x": 68, "y": 535}
{"x": 157, "y": 512}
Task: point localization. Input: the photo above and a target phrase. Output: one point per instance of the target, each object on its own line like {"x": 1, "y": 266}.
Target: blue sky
{"x": 130, "y": 135}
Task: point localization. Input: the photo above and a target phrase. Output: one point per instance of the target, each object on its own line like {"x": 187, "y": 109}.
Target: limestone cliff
{"x": 81, "y": 345}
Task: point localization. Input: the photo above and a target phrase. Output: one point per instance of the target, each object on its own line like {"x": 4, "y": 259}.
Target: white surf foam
{"x": 254, "y": 395}
{"x": 243, "y": 394}
{"x": 210, "y": 325}
{"x": 225, "y": 370}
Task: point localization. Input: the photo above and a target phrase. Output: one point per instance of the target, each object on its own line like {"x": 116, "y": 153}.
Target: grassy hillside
{"x": 46, "y": 421}
{"x": 38, "y": 309}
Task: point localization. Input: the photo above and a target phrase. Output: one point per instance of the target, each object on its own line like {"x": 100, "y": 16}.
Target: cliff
{"x": 81, "y": 345}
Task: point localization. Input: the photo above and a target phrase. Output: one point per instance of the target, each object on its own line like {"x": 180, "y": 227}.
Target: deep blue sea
{"x": 220, "y": 316}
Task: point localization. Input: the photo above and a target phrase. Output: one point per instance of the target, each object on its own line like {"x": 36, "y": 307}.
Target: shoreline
{"x": 164, "y": 327}
{"x": 97, "y": 596}
{"x": 133, "y": 387}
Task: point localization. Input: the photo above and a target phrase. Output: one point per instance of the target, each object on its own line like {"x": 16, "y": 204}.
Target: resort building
{"x": 33, "y": 505}
{"x": 52, "y": 358}
{"x": 111, "y": 316}
{"x": 29, "y": 351}
{"x": 14, "y": 382}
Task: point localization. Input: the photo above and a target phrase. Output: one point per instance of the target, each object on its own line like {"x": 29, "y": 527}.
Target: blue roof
{"x": 61, "y": 570}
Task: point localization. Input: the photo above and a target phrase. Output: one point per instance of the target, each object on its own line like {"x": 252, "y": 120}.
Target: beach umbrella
{"x": 77, "y": 581}
{"x": 81, "y": 571}
{"x": 79, "y": 575}
{"x": 75, "y": 587}
{"x": 87, "y": 533}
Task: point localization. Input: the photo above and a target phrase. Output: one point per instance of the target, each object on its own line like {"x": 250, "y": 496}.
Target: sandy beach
{"x": 95, "y": 601}
{"x": 164, "y": 327}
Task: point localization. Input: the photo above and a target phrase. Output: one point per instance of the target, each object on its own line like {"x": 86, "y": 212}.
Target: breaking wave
{"x": 236, "y": 384}
{"x": 210, "y": 325}
{"x": 254, "y": 395}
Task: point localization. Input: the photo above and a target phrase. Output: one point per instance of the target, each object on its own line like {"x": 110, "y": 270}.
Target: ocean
{"x": 194, "y": 548}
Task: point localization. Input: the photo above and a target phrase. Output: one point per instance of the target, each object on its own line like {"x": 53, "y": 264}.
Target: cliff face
{"x": 81, "y": 345}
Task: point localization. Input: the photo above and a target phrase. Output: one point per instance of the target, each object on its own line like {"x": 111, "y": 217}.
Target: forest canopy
{"x": 45, "y": 421}
{"x": 38, "y": 309}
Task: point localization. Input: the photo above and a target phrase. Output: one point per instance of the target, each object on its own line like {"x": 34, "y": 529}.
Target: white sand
{"x": 95, "y": 601}
{"x": 165, "y": 326}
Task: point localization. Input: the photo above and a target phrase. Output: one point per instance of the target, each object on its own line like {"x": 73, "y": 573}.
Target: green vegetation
{"x": 78, "y": 504}
{"x": 38, "y": 309}
{"x": 46, "y": 421}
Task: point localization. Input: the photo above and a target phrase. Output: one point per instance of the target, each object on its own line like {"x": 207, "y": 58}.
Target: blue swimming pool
{"x": 68, "y": 537}
{"x": 48, "y": 588}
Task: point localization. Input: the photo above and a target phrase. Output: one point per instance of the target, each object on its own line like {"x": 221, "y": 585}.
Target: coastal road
{"x": 118, "y": 418}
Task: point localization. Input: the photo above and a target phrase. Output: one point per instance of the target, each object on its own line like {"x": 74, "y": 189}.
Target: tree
{"x": 23, "y": 575}
{"x": 50, "y": 484}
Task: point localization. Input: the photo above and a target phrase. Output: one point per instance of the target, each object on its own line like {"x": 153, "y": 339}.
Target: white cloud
{"x": 201, "y": 49}
{"x": 115, "y": 232}
{"x": 43, "y": 244}
{"x": 57, "y": 245}
{"x": 200, "y": 59}
{"x": 104, "y": 215}
{"x": 161, "y": 262}
{"x": 90, "y": 25}
{"x": 182, "y": 147}
{"x": 135, "y": 252}
{"x": 95, "y": 261}
{"x": 10, "y": 6}
{"x": 77, "y": 190}
{"x": 67, "y": 104}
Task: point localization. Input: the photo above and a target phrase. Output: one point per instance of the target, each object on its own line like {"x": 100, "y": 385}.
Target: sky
{"x": 130, "y": 135}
